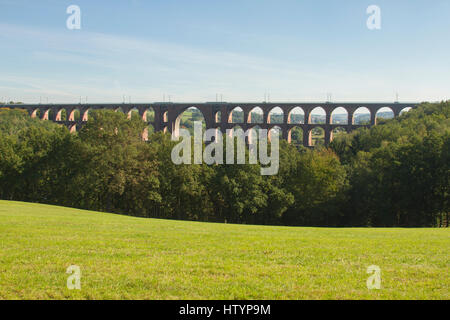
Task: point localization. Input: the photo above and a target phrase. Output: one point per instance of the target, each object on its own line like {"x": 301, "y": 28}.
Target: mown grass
{"x": 124, "y": 257}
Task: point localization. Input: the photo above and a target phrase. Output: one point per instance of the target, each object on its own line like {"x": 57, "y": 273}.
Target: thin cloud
{"x": 73, "y": 63}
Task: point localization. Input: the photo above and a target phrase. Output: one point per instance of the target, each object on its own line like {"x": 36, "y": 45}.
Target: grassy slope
{"x": 126, "y": 257}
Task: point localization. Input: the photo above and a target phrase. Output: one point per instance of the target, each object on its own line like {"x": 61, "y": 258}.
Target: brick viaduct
{"x": 219, "y": 115}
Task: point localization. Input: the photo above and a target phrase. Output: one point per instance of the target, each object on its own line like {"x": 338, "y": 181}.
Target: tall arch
{"x": 295, "y": 136}
{"x": 36, "y": 113}
{"x": 336, "y": 132}
{"x": 236, "y": 115}
{"x": 317, "y": 116}
{"x": 119, "y": 109}
{"x": 253, "y": 134}
{"x": 275, "y": 116}
{"x": 45, "y": 115}
{"x": 148, "y": 131}
{"x": 218, "y": 117}
{"x": 339, "y": 116}
{"x": 133, "y": 113}
{"x": 275, "y": 130}
{"x": 51, "y": 114}
{"x": 238, "y": 141}
{"x": 61, "y": 115}
{"x": 384, "y": 113}
{"x": 362, "y": 116}
{"x": 149, "y": 115}
{"x": 256, "y": 115}
{"x": 186, "y": 120}
{"x": 73, "y": 128}
{"x": 75, "y": 115}
{"x": 85, "y": 115}
{"x": 296, "y": 115}
{"x": 316, "y": 137}
{"x": 405, "y": 110}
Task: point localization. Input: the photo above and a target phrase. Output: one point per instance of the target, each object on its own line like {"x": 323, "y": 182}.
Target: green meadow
{"x": 123, "y": 257}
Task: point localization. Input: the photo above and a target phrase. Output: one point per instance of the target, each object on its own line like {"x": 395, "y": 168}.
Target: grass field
{"x": 125, "y": 257}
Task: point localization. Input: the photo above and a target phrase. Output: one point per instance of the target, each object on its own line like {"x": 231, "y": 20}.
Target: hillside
{"x": 128, "y": 257}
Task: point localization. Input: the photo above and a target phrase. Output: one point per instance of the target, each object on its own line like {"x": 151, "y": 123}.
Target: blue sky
{"x": 191, "y": 50}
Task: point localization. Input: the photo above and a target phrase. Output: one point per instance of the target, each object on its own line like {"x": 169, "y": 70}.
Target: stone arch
{"x": 165, "y": 116}
{"x": 295, "y": 136}
{"x": 85, "y": 115}
{"x": 149, "y": 115}
{"x": 119, "y": 109}
{"x": 296, "y": 115}
{"x": 217, "y": 135}
{"x": 405, "y": 110}
{"x": 316, "y": 136}
{"x": 253, "y": 134}
{"x": 36, "y": 113}
{"x": 317, "y": 116}
{"x": 256, "y": 115}
{"x": 273, "y": 130}
{"x": 275, "y": 116}
{"x": 339, "y": 116}
{"x": 238, "y": 142}
{"x": 74, "y": 115}
{"x": 336, "y": 132}
{"x": 148, "y": 131}
{"x": 73, "y": 128}
{"x": 52, "y": 114}
{"x": 218, "y": 117}
{"x": 231, "y": 133}
{"x": 61, "y": 115}
{"x": 45, "y": 115}
{"x": 133, "y": 113}
{"x": 235, "y": 127}
{"x": 236, "y": 115}
{"x": 186, "y": 119}
{"x": 384, "y": 113}
{"x": 361, "y": 115}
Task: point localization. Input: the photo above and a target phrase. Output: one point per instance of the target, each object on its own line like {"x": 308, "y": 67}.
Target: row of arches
{"x": 76, "y": 114}
{"x": 315, "y": 135}
{"x": 340, "y": 115}
{"x": 150, "y": 129}
{"x": 318, "y": 115}
{"x": 321, "y": 124}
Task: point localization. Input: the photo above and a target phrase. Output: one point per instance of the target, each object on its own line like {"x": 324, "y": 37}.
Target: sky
{"x": 240, "y": 50}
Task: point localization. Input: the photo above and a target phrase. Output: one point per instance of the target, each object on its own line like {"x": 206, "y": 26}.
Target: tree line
{"x": 395, "y": 174}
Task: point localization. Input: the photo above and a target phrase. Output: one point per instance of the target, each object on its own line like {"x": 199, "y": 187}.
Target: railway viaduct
{"x": 219, "y": 115}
